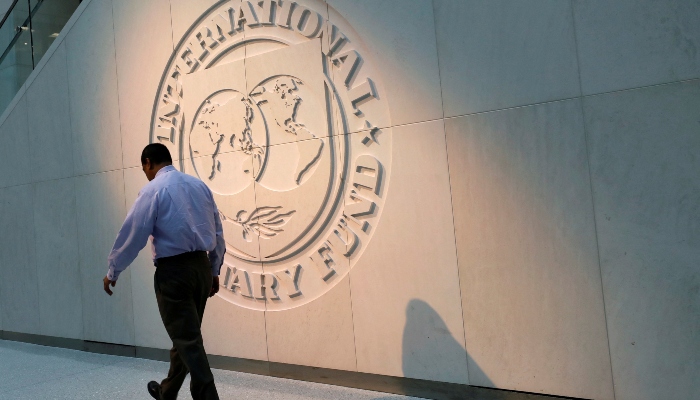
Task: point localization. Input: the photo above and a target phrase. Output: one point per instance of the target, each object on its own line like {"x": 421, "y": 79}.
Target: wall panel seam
{"x": 558, "y": 100}
{"x": 80, "y": 273}
{"x": 413, "y": 123}
{"x": 44, "y": 61}
{"x": 70, "y": 126}
{"x": 513, "y": 107}
{"x": 341, "y": 136}
{"x": 67, "y": 177}
{"x": 590, "y": 183}
{"x": 172, "y": 33}
{"x": 121, "y": 145}
{"x": 676, "y": 82}
{"x": 255, "y": 197}
{"x": 449, "y": 181}
{"x": 32, "y": 188}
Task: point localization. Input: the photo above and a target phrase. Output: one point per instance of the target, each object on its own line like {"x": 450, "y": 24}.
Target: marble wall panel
{"x": 400, "y": 37}
{"x": 57, "y": 259}
{"x": 295, "y": 181}
{"x": 143, "y": 40}
{"x": 301, "y": 62}
{"x": 300, "y": 335}
{"x": 148, "y": 328}
{"x": 284, "y": 37}
{"x": 504, "y": 53}
{"x": 92, "y": 81}
{"x": 234, "y": 331}
{"x": 8, "y": 87}
{"x": 318, "y": 334}
{"x": 101, "y": 212}
{"x": 632, "y": 43}
{"x": 50, "y": 134}
{"x": 405, "y": 283}
{"x": 211, "y": 132}
{"x": 15, "y": 164}
{"x": 19, "y": 290}
{"x": 184, "y": 13}
{"x": 356, "y": 72}
{"x": 530, "y": 277}
{"x": 644, "y": 147}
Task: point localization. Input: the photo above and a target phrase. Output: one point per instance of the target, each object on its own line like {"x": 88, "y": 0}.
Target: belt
{"x": 180, "y": 258}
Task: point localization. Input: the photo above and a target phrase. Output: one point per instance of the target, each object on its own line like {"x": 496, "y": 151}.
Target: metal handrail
{"x": 7, "y": 14}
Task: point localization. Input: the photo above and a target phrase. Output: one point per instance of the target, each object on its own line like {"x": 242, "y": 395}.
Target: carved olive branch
{"x": 266, "y": 222}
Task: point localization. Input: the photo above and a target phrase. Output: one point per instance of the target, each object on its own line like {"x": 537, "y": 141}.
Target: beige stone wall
{"x": 532, "y": 167}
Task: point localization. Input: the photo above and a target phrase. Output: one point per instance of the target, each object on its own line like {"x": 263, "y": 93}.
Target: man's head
{"x": 154, "y": 157}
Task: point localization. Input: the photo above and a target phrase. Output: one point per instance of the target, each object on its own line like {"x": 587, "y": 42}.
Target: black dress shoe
{"x": 154, "y": 390}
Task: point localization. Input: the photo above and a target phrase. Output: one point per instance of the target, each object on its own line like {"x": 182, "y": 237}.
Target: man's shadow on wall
{"x": 430, "y": 352}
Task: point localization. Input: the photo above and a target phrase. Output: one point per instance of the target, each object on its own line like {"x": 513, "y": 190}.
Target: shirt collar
{"x": 165, "y": 170}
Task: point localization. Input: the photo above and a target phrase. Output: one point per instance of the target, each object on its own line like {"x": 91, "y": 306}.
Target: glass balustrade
{"x": 26, "y": 33}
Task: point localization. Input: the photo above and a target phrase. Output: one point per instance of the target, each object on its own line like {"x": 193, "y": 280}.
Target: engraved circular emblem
{"x": 275, "y": 105}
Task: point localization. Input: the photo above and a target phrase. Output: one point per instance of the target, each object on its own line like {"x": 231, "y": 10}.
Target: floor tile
{"x": 39, "y": 372}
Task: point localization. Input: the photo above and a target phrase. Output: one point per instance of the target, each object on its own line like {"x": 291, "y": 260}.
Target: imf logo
{"x": 274, "y": 106}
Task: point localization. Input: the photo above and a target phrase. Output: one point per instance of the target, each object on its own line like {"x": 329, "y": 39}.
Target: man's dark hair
{"x": 157, "y": 153}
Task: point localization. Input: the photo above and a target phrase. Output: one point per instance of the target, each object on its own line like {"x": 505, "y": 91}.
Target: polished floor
{"x": 37, "y": 372}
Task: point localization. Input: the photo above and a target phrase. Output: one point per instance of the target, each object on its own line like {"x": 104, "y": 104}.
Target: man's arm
{"x": 216, "y": 257}
{"x": 133, "y": 236}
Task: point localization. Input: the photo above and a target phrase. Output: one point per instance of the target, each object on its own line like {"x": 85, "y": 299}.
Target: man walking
{"x": 179, "y": 212}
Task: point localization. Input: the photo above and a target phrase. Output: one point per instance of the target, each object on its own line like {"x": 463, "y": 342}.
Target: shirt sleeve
{"x": 134, "y": 234}
{"x": 216, "y": 256}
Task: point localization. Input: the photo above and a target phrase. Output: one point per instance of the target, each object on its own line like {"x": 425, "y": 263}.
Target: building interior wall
{"x": 541, "y": 230}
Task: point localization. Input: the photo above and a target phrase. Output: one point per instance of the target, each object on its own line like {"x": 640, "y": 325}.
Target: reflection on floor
{"x": 37, "y": 372}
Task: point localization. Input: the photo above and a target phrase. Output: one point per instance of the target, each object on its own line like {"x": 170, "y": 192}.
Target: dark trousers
{"x": 182, "y": 285}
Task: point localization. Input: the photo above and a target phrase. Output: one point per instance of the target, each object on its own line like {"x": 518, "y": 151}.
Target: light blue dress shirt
{"x": 179, "y": 212}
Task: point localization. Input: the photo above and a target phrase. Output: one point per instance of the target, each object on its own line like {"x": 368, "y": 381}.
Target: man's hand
{"x": 214, "y": 286}
{"x": 107, "y": 282}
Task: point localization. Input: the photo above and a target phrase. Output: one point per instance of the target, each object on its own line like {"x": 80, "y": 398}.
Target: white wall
{"x": 540, "y": 227}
